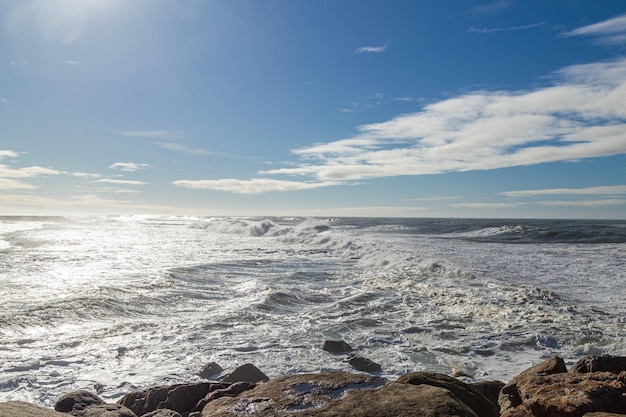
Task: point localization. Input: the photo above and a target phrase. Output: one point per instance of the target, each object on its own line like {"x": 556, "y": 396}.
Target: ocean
{"x": 118, "y": 303}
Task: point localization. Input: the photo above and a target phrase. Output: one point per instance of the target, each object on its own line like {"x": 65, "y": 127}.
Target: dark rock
{"x": 339, "y": 394}
{"x": 246, "y": 373}
{"x": 360, "y": 363}
{"x": 210, "y": 370}
{"x": 489, "y": 389}
{"x": 336, "y": 346}
{"x": 23, "y": 409}
{"x": 602, "y": 414}
{"x": 164, "y": 412}
{"x": 604, "y": 363}
{"x": 76, "y": 401}
{"x": 183, "y": 398}
{"x": 548, "y": 390}
{"x": 468, "y": 395}
{"x": 232, "y": 390}
{"x": 104, "y": 410}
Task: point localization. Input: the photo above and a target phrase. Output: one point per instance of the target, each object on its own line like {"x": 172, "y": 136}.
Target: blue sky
{"x": 448, "y": 108}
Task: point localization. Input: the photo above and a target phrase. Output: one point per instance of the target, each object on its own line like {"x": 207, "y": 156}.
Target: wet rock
{"x": 336, "y": 346}
{"x": 473, "y": 398}
{"x": 210, "y": 370}
{"x": 360, "y": 363}
{"x": 76, "y": 401}
{"x": 104, "y": 410}
{"x": 232, "y": 390}
{"x": 246, "y": 373}
{"x": 604, "y": 363}
{"x": 23, "y": 409}
{"x": 182, "y": 398}
{"x": 339, "y": 394}
{"x": 549, "y": 390}
{"x": 164, "y": 412}
{"x": 489, "y": 389}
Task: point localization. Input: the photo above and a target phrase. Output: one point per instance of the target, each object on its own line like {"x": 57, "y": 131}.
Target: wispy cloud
{"x": 484, "y": 205}
{"x": 610, "y": 32}
{"x": 580, "y": 116}
{"x": 372, "y": 49}
{"x": 155, "y": 134}
{"x": 505, "y": 29}
{"x": 11, "y": 184}
{"x": 600, "y": 190}
{"x": 70, "y": 62}
{"x": 586, "y": 203}
{"x": 491, "y": 8}
{"x": 179, "y": 147}
{"x": 128, "y": 166}
{"x": 252, "y": 186}
{"x": 121, "y": 182}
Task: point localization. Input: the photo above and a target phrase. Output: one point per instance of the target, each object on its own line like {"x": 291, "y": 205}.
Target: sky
{"x": 394, "y": 108}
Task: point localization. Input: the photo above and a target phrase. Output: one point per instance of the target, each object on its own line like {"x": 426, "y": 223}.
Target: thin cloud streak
{"x": 128, "y": 166}
{"x": 372, "y": 49}
{"x": 154, "y": 134}
{"x": 121, "y": 182}
{"x": 252, "y": 186}
{"x": 184, "y": 149}
{"x": 610, "y": 32}
{"x": 600, "y": 190}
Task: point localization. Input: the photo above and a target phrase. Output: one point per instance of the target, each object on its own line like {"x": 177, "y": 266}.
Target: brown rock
{"x": 246, "y": 373}
{"x": 183, "y": 398}
{"x": 231, "y": 391}
{"x": 489, "y": 389}
{"x": 470, "y": 396}
{"x": 210, "y": 370}
{"x": 164, "y": 412}
{"x": 542, "y": 392}
{"x": 339, "y": 394}
{"x": 76, "y": 401}
{"x": 604, "y": 363}
{"x": 23, "y": 409}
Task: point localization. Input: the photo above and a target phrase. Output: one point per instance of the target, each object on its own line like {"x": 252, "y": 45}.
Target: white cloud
{"x": 26, "y": 172}
{"x": 600, "y": 190}
{"x": 582, "y": 115}
{"x": 184, "y": 149}
{"x": 155, "y": 134}
{"x": 586, "y": 203}
{"x": 252, "y": 186}
{"x": 128, "y": 166}
{"x": 121, "y": 182}
{"x": 372, "y": 49}
{"x": 484, "y": 205}
{"x": 70, "y": 62}
{"x": 11, "y": 184}
{"x": 10, "y": 154}
{"x": 505, "y": 29}
{"x": 610, "y": 32}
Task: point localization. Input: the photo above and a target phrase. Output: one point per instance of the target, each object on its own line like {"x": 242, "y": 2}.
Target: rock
{"x": 246, "y": 373}
{"x": 549, "y": 390}
{"x": 76, "y": 401}
{"x": 489, "y": 389}
{"x": 182, "y": 398}
{"x": 210, "y": 370}
{"x": 360, "y": 363}
{"x": 604, "y": 363}
{"x": 339, "y": 394}
{"x": 23, "y": 409}
{"x": 601, "y": 414}
{"x": 164, "y": 412}
{"x": 468, "y": 395}
{"x": 104, "y": 410}
{"x": 336, "y": 346}
{"x": 232, "y": 390}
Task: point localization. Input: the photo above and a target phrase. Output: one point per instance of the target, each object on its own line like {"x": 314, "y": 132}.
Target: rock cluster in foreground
{"x": 594, "y": 387}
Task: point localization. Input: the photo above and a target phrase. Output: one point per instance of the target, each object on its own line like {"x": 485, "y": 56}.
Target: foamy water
{"x": 116, "y": 303}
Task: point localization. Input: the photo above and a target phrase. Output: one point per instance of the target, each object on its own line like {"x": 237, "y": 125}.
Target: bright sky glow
{"x": 453, "y": 108}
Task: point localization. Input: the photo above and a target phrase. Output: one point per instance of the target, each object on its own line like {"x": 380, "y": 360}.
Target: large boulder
{"x": 77, "y": 401}
{"x": 548, "y": 390}
{"x": 339, "y": 394}
{"x": 23, "y": 409}
{"x": 473, "y": 398}
{"x": 246, "y": 373}
{"x": 104, "y": 410}
{"x": 603, "y": 363}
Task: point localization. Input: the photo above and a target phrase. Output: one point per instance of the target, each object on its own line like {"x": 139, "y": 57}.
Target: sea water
{"x": 113, "y": 304}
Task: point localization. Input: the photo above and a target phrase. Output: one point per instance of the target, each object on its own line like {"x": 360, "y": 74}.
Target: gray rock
{"x": 164, "y": 412}
{"x": 76, "y": 401}
{"x": 336, "y": 346}
{"x": 360, "y": 363}
{"x": 210, "y": 370}
{"x": 104, "y": 410}
{"x": 246, "y": 373}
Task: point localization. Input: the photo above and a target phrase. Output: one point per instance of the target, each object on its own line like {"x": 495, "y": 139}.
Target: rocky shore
{"x": 595, "y": 386}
